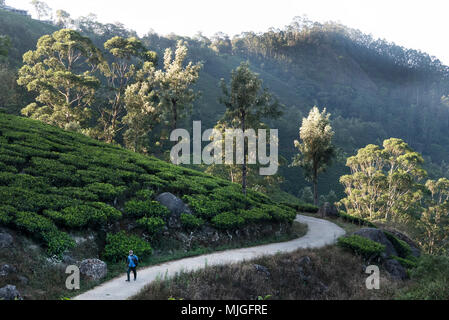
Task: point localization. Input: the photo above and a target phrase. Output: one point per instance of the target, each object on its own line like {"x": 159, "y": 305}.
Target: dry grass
{"x": 332, "y": 274}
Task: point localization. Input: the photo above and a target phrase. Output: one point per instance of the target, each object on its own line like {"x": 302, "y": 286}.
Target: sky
{"x": 413, "y": 24}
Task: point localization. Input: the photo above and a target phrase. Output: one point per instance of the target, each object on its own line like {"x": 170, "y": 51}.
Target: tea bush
{"x": 118, "y": 246}
{"x": 228, "y": 220}
{"x": 153, "y": 225}
{"x": 136, "y": 208}
{"x": 362, "y": 246}
{"x": 189, "y": 221}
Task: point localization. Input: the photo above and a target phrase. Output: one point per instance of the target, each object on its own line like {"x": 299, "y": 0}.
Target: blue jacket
{"x": 131, "y": 263}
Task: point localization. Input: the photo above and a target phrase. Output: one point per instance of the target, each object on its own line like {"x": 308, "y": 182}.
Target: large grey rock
{"x": 93, "y": 268}
{"x": 6, "y": 240}
{"x": 328, "y": 210}
{"x": 10, "y": 292}
{"x": 395, "y": 269}
{"x": 176, "y": 207}
{"x": 378, "y": 236}
{"x": 6, "y": 270}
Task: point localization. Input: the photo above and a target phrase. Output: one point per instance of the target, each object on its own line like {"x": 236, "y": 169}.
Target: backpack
{"x": 136, "y": 262}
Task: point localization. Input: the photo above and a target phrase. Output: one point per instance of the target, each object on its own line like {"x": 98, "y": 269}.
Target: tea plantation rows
{"x": 53, "y": 181}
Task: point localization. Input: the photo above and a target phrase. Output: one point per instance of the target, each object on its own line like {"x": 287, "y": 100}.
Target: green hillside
{"x": 53, "y": 182}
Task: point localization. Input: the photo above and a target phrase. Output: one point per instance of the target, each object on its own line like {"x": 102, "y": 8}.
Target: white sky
{"x": 414, "y": 24}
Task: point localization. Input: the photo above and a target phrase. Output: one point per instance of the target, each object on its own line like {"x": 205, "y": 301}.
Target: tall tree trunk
{"x": 315, "y": 187}
{"x": 175, "y": 114}
{"x": 244, "y": 167}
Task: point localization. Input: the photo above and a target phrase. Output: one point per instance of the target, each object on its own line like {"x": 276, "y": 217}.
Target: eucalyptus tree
{"x": 142, "y": 109}
{"x": 61, "y": 72}
{"x": 384, "y": 183}
{"x": 127, "y": 57}
{"x": 175, "y": 83}
{"x": 247, "y": 103}
{"x": 315, "y": 147}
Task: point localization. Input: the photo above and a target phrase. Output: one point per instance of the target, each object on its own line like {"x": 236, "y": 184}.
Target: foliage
{"x": 137, "y": 208}
{"x": 174, "y": 83}
{"x": 153, "y": 225}
{"x": 402, "y": 248}
{"x": 384, "y": 183}
{"x": 227, "y": 220}
{"x": 120, "y": 73}
{"x": 189, "y": 221}
{"x": 355, "y": 220}
{"x": 430, "y": 279}
{"x": 315, "y": 149}
{"x": 60, "y": 72}
{"x": 362, "y": 246}
{"x": 57, "y": 242}
{"x": 247, "y": 103}
{"x": 119, "y": 244}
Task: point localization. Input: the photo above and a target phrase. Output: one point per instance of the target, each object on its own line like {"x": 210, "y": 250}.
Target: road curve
{"x": 320, "y": 233}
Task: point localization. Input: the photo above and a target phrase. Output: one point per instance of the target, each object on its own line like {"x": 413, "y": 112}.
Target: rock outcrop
{"x": 93, "y": 268}
{"x": 176, "y": 207}
{"x": 10, "y": 292}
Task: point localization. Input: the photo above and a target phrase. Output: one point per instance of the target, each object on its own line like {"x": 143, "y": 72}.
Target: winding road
{"x": 320, "y": 233}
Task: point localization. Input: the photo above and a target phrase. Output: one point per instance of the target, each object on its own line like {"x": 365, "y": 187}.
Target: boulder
{"x": 10, "y": 292}
{"x": 6, "y": 240}
{"x": 176, "y": 207}
{"x": 395, "y": 269}
{"x": 93, "y": 268}
{"x": 328, "y": 210}
{"x": 6, "y": 270}
{"x": 378, "y": 236}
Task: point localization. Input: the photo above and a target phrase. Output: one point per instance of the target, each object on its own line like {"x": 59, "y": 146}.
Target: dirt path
{"x": 320, "y": 233}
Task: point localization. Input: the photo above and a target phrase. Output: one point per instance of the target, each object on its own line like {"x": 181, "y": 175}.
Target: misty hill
{"x": 374, "y": 89}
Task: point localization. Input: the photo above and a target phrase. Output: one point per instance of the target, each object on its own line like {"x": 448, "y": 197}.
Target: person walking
{"x": 132, "y": 262}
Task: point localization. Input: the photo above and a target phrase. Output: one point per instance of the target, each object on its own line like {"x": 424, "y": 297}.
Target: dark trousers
{"x": 133, "y": 269}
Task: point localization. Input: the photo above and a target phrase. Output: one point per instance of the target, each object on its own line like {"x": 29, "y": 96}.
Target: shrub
{"x": 144, "y": 195}
{"x": 189, "y": 221}
{"x": 402, "y": 248}
{"x": 140, "y": 209}
{"x": 119, "y": 244}
{"x": 78, "y": 193}
{"x": 302, "y": 207}
{"x": 33, "y": 223}
{"x": 355, "y": 220}
{"x": 57, "y": 242}
{"x": 255, "y": 215}
{"x": 6, "y": 214}
{"x": 95, "y": 213}
{"x": 227, "y": 220}
{"x": 153, "y": 225}
{"x": 406, "y": 263}
{"x": 105, "y": 191}
{"x": 205, "y": 207}
{"x": 430, "y": 279}
{"x": 359, "y": 245}
{"x": 280, "y": 213}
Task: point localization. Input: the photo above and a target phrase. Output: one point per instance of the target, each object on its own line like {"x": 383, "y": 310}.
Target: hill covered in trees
{"x": 373, "y": 89}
